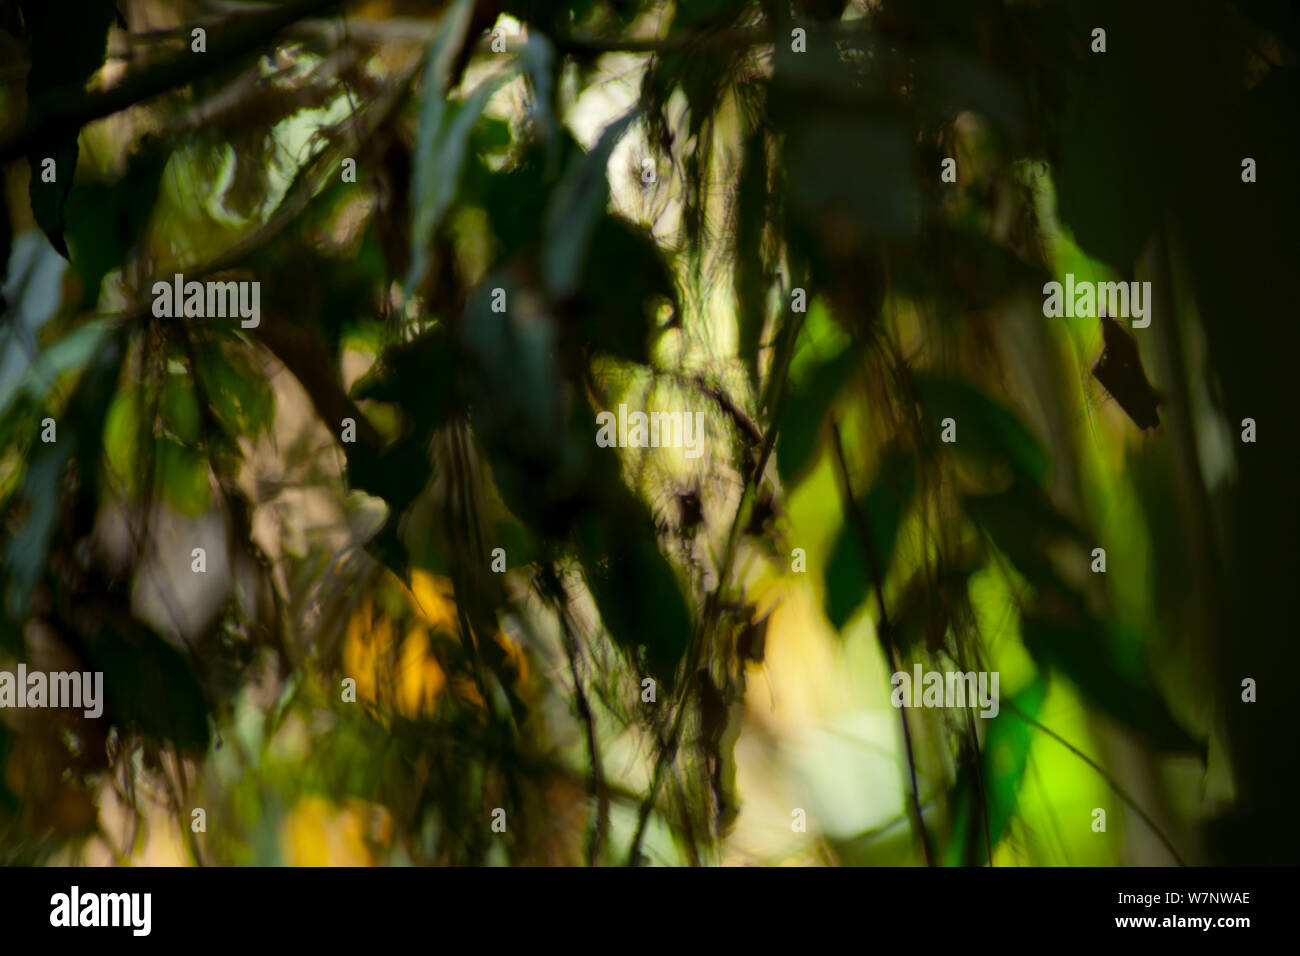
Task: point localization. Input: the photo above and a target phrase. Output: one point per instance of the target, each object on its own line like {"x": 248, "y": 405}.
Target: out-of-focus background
{"x": 434, "y": 621}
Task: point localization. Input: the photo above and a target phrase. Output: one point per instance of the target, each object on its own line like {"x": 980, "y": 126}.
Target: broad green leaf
{"x": 122, "y": 437}
{"x": 182, "y": 476}
{"x": 576, "y": 204}
{"x": 81, "y": 430}
{"x": 625, "y": 280}
{"x": 1106, "y": 662}
{"x": 986, "y": 432}
{"x": 68, "y": 39}
{"x": 437, "y": 163}
{"x": 105, "y": 220}
{"x": 634, "y": 586}
{"x": 180, "y": 409}
{"x": 1024, "y": 524}
{"x": 68, "y": 354}
{"x": 150, "y": 687}
{"x": 241, "y": 398}
{"x": 849, "y": 579}
{"x": 1003, "y": 761}
{"x": 806, "y": 402}
{"x": 33, "y": 290}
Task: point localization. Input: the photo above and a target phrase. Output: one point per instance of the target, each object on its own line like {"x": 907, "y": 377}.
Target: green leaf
{"x": 122, "y": 437}
{"x": 241, "y": 397}
{"x": 624, "y": 282}
{"x": 68, "y": 354}
{"x": 634, "y": 586}
{"x": 180, "y": 409}
{"x": 849, "y": 577}
{"x": 183, "y": 475}
{"x": 439, "y": 149}
{"x": 800, "y": 419}
{"x": 1001, "y": 771}
{"x": 81, "y": 434}
{"x": 68, "y": 39}
{"x": 105, "y": 220}
{"x": 1106, "y": 662}
{"x": 986, "y": 432}
{"x": 576, "y": 204}
{"x": 33, "y": 290}
{"x": 924, "y": 607}
{"x": 539, "y": 66}
{"x": 1101, "y": 192}
{"x": 1024, "y": 524}
{"x": 150, "y": 687}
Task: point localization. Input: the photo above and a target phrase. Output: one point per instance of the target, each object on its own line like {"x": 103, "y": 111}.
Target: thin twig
{"x": 1146, "y": 818}
{"x": 863, "y": 528}
{"x": 589, "y": 724}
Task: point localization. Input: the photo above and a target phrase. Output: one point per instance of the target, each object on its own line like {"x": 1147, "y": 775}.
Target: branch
{"x": 77, "y": 107}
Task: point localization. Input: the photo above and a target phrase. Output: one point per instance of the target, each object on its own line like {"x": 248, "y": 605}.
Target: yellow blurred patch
{"x": 419, "y": 678}
{"x": 317, "y": 833}
{"x": 433, "y": 599}
{"x": 407, "y": 678}
{"x": 392, "y": 658}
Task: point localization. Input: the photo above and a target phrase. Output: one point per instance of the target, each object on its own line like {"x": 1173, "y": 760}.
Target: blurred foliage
{"x": 430, "y": 596}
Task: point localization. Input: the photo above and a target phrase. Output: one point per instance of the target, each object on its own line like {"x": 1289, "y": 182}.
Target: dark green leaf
{"x": 621, "y": 289}
{"x": 1001, "y": 770}
{"x": 1024, "y": 524}
{"x": 805, "y": 405}
{"x": 67, "y": 43}
{"x": 439, "y": 150}
{"x": 105, "y": 221}
{"x": 1106, "y": 662}
{"x": 924, "y": 609}
{"x": 575, "y": 206}
{"x": 634, "y": 586}
{"x": 33, "y": 290}
{"x": 81, "y": 430}
{"x": 241, "y": 398}
{"x": 986, "y": 432}
{"x": 1102, "y": 197}
{"x": 183, "y": 476}
{"x": 151, "y": 687}
{"x": 849, "y": 578}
